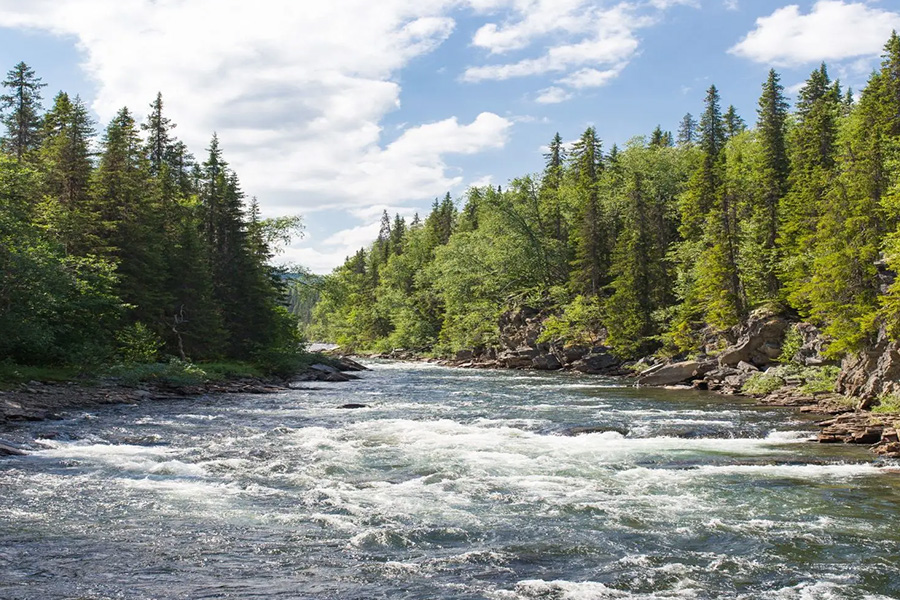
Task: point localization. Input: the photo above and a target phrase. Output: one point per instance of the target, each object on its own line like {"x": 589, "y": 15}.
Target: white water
{"x": 452, "y": 484}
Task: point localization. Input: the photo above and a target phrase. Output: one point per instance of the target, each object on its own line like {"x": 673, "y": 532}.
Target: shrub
{"x": 793, "y": 341}
{"x": 138, "y": 344}
{"x": 819, "y": 379}
{"x": 763, "y": 384}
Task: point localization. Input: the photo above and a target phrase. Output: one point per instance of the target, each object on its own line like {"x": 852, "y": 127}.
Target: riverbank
{"x": 38, "y": 401}
{"x": 842, "y": 421}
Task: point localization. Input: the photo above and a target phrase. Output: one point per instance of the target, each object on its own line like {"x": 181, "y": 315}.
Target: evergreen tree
{"x": 22, "y": 106}
{"x": 775, "y": 168}
{"x": 733, "y": 122}
{"x": 687, "y": 130}
{"x": 66, "y": 161}
{"x": 591, "y": 249}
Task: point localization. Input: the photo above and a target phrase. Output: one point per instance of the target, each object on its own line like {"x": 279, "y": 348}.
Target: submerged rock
{"x": 352, "y": 405}
{"x": 574, "y": 431}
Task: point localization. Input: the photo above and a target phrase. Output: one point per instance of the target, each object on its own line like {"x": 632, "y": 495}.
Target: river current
{"x": 450, "y": 484}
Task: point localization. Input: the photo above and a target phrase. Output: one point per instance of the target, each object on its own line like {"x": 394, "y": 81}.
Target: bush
{"x": 793, "y": 341}
{"x": 174, "y": 372}
{"x": 819, "y": 379}
{"x": 137, "y": 344}
{"x": 763, "y": 384}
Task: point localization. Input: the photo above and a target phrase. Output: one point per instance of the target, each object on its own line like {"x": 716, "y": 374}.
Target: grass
{"x": 888, "y": 403}
{"x": 12, "y": 374}
{"x": 763, "y": 384}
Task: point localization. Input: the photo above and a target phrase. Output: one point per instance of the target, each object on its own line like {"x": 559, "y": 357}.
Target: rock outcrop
{"x": 873, "y": 372}
{"x": 758, "y": 342}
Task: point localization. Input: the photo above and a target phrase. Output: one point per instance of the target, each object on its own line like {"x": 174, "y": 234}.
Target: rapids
{"x": 451, "y": 484}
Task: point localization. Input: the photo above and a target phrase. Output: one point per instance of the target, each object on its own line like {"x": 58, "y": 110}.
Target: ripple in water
{"x": 451, "y": 484}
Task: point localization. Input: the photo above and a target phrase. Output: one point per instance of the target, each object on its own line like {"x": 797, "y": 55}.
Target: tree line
{"x": 657, "y": 244}
{"x": 125, "y": 247}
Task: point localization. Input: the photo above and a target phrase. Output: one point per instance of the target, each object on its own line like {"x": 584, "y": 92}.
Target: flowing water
{"x": 451, "y": 484}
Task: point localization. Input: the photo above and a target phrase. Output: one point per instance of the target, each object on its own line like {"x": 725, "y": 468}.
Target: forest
{"x": 650, "y": 247}
{"x": 124, "y": 248}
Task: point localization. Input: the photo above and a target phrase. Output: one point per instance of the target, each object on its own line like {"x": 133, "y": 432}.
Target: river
{"x": 451, "y": 484}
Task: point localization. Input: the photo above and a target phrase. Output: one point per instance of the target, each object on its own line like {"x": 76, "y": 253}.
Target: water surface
{"x": 452, "y": 484}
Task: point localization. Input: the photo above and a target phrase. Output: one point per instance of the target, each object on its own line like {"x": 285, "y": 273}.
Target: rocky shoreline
{"x": 38, "y": 401}
{"x": 725, "y": 367}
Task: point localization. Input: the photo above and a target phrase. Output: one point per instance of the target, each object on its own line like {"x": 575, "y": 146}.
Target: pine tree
{"x": 591, "y": 243}
{"x": 551, "y": 200}
{"x": 65, "y": 159}
{"x": 22, "y": 105}
{"x": 733, "y": 122}
{"x": 687, "y": 130}
{"x": 775, "y": 168}
{"x": 128, "y": 221}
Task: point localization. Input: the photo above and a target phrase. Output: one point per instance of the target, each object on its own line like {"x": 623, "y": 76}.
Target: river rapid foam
{"x": 450, "y": 484}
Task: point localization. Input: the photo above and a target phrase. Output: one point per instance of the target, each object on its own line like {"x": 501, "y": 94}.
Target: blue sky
{"x": 339, "y": 110}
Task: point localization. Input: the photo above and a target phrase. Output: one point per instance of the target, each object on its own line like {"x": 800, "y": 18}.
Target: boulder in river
{"x": 8, "y": 449}
{"x": 672, "y": 373}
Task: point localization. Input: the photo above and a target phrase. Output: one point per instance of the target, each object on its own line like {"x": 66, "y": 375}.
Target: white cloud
{"x": 588, "y": 78}
{"x": 484, "y": 181}
{"x": 602, "y": 37}
{"x": 833, "y": 30}
{"x": 295, "y": 90}
{"x": 731, "y": 4}
{"x": 552, "y": 95}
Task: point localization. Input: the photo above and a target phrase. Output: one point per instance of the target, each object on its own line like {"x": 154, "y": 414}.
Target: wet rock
{"x": 348, "y": 364}
{"x": 9, "y": 449}
{"x": 759, "y": 342}
{"x": 574, "y": 431}
{"x": 546, "y": 362}
{"x": 597, "y": 362}
{"x": 353, "y": 405}
{"x": 465, "y": 355}
{"x": 323, "y": 368}
{"x": 672, "y": 373}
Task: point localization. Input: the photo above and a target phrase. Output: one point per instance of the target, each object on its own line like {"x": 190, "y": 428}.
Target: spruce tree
{"x": 21, "y": 106}
{"x": 774, "y": 170}
{"x": 589, "y": 235}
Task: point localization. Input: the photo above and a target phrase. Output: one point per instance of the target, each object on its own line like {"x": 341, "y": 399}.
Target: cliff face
{"x": 873, "y": 372}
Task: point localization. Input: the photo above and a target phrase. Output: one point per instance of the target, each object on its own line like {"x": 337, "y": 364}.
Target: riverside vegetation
{"x": 129, "y": 251}
{"x": 666, "y": 247}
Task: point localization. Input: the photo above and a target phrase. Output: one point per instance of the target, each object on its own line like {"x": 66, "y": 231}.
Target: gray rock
{"x": 680, "y": 372}
{"x": 872, "y": 372}
{"x": 597, "y": 363}
{"x": 546, "y": 362}
{"x": 746, "y": 367}
{"x": 8, "y": 449}
{"x": 323, "y": 368}
{"x": 759, "y": 342}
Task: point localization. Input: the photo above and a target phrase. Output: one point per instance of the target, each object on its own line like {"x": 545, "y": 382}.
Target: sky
{"x": 338, "y": 110}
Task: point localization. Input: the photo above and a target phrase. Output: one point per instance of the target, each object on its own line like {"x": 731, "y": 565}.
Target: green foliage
{"x": 811, "y": 380}
{"x": 138, "y": 344}
{"x": 580, "y": 324}
{"x": 819, "y": 379}
{"x": 790, "y": 346}
{"x": 666, "y": 244}
{"x": 762, "y": 384}
{"x": 174, "y": 372}
{"x": 131, "y": 254}
{"x": 887, "y": 404}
